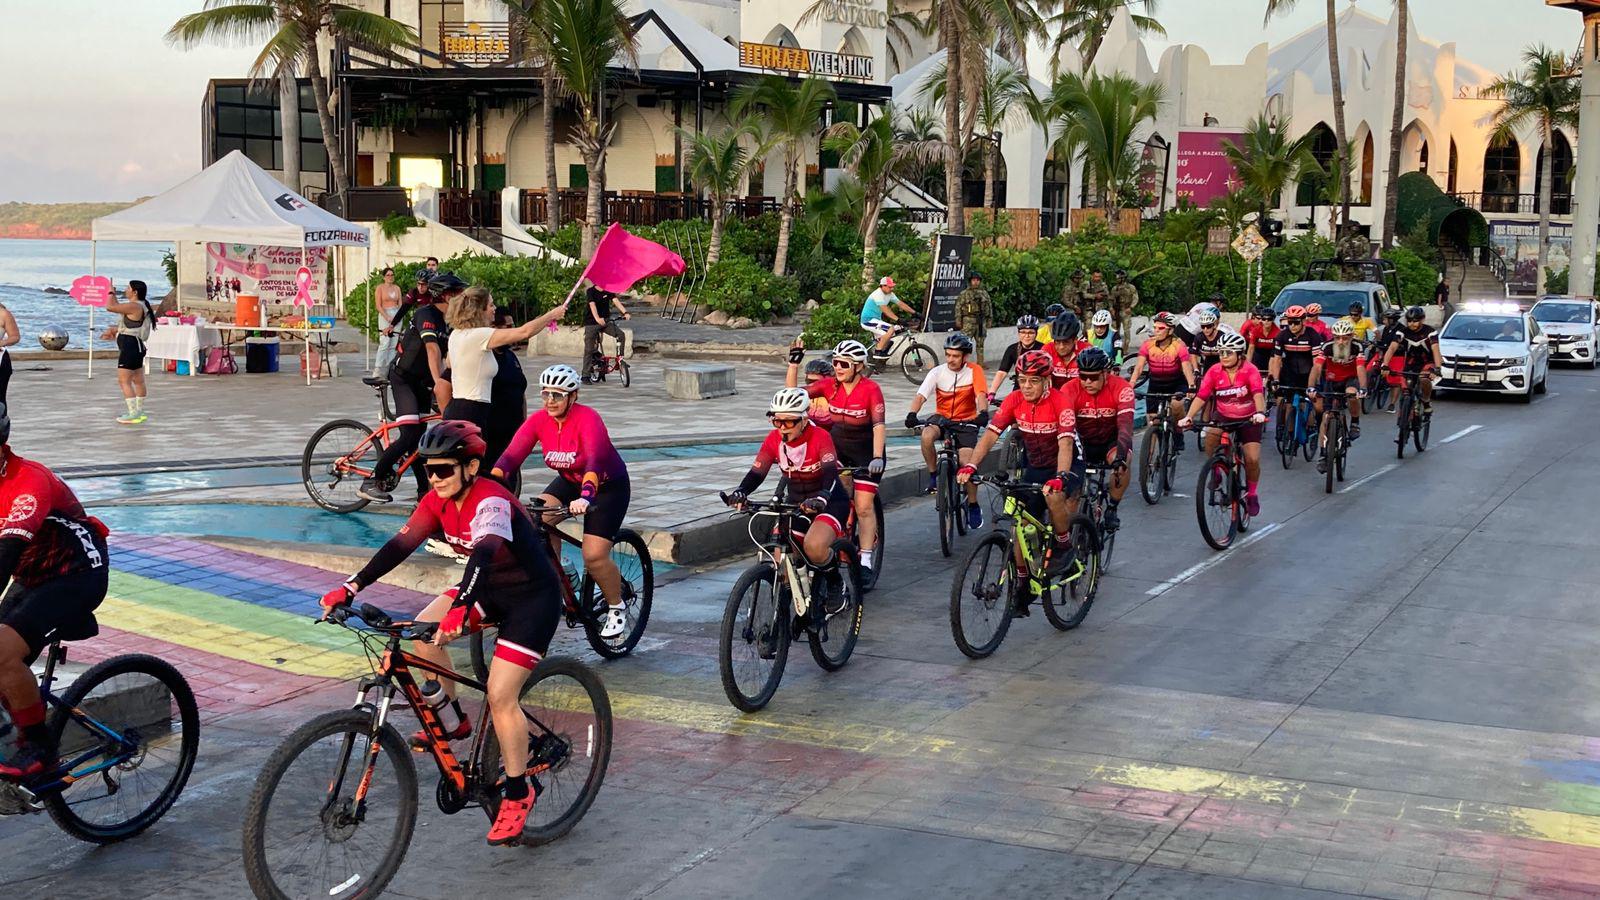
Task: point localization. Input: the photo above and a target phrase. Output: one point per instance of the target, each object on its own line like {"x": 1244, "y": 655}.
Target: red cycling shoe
{"x": 511, "y": 819}
{"x": 422, "y": 741}
{"x": 27, "y": 764}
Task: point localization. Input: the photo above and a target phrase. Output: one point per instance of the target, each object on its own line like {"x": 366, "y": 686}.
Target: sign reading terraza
{"x": 814, "y": 62}
{"x": 475, "y": 43}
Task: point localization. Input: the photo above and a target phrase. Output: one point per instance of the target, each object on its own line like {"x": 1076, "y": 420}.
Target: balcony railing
{"x": 638, "y": 207}
{"x": 462, "y": 208}
{"x": 1513, "y": 203}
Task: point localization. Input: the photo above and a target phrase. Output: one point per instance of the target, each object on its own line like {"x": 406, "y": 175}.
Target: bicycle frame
{"x": 1024, "y": 525}
{"x": 56, "y": 654}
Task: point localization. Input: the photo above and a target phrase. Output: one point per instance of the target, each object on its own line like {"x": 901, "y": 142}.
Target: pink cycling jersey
{"x": 578, "y": 447}
{"x": 1235, "y": 397}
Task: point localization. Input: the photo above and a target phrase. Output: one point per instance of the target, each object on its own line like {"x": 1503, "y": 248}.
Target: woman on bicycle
{"x": 1259, "y": 334}
{"x": 508, "y": 581}
{"x": 805, "y": 456}
{"x": 1170, "y": 366}
{"x": 1240, "y": 397}
{"x": 855, "y": 410}
{"x": 591, "y": 480}
{"x": 472, "y": 345}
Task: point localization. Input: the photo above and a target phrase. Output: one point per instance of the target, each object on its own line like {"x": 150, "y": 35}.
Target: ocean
{"x": 28, "y": 267}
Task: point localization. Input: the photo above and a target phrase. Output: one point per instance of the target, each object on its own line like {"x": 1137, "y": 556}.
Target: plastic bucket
{"x": 247, "y": 310}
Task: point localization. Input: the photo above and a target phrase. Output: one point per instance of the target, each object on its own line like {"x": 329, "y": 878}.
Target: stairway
{"x": 1467, "y": 281}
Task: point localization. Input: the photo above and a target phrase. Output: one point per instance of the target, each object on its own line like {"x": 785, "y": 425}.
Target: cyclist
{"x": 508, "y": 581}
{"x": 1170, "y": 366}
{"x": 1338, "y": 367}
{"x": 1259, "y": 334}
{"x": 1101, "y": 335}
{"x": 1417, "y": 344}
{"x": 878, "y": 315}
{"x": 855, "y": 407}
{"x": 417, "y": 382}
{"x": 1041, "y": 417}
{"x": 817, "y": 370}
{"x": 1294, "y": 353}
{"x": 1365, "y": 328}
{"x": 1240, "y": 396}
{"x": 591, "y": 480}
{"x": 806, "y": 458}
{"x": 1050, "y": 313}
{"x": 1376, "y": 358}
{"x": 1027, "y": 341}
{"x": 1315, "y": 323}
{"x": 1064, "y": 347}
{"x": 960, "y": 396}
{"x": 1101, "y": 406}
{"x": 53, "y": 556}
{"x": 1203, "y": 343}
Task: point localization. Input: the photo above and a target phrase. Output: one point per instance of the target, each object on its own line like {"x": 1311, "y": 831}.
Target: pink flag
{"x": 620, "y": 260}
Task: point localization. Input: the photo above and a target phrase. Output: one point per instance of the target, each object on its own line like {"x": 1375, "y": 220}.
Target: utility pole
{"x": 1586, "y": 186}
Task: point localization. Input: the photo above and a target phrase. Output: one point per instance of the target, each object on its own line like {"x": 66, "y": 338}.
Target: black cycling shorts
{"x": 1095, "y": 454}
{"x": 59, "y": 609}
{"x": 130, "y": 352}
{"x": 1155, "y": 388}
{"x": 1340, "y": 386}
{"x": 526, "y": 614}
{"x": 607, "y": 508}
{"x": 412, "y": 399}
{"x": 836, "y": 513}
{"x": 853, "y": 462}
{"x": 1040, "y": 474}
{"x": 474, "y": 411}
{"x": 1249, "y": 432}
{"x": 966, "y": 438}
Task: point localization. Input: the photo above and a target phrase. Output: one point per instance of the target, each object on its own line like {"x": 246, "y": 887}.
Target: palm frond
{"x": 225, "y": 21}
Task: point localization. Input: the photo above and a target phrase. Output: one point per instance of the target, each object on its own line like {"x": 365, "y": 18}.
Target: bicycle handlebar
{"x": 1005, "y": 484}
{"x": 380, "y": 621}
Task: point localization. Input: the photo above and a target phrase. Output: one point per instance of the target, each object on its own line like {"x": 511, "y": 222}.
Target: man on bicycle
{"x": 1041, "y": 416}
{"x": 961, "y": 397}
{"x": 1380, "y": 362}
{"x": 1170, "y": 366}
{"x": 416, "y": 382}
{"x": 1027, "y": 342}
{"x": 597, "y": 321}
{"x": 1365, "y": 328}
{"x": 878, "y": 313}
{"x": 806, "y": 458}
{"x": 1065, "y": 345}
{"x": 1241, "y": 399}
{"x": 1100, "y": 405}
{"x": 1338, "y": 368}
{"x": 855, "y": 408}
{"x": 1203, "y": 343}
{"x": 53, "y": 556}
{"x": 508, "y": 581}
{"x": 1294, "y": 353}
{"x": 1418, "y": 344}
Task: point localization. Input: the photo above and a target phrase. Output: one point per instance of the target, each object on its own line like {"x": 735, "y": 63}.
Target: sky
{"x": 96, "y": 106}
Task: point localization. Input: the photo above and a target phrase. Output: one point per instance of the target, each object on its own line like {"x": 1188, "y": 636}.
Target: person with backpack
{"x": 131, "y": 332}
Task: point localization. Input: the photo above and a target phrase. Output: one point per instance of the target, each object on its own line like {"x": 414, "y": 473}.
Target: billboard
{"x": 1204, "y": 172}
{"x": 1518, "y": 243}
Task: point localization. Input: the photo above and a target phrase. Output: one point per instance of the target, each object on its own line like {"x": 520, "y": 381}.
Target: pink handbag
{"x": 220, "y": 361}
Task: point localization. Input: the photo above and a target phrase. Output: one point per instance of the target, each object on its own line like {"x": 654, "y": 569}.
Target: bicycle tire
{"x": 1151, "y": 468}
{"x": 916, "y": 360}
{"x": 348, "y": 722}
{"x": 1344, "y": 456}
{"x": 731, "y": 634}
{"x": 1419, "y": 434}
{"x": 1216, "y": 499}
{"x": 1067, "y": 605}
{"x": 1402, "y": 416}
{"x": 626, "y": 371}
{"x": 1108, "y": 544}
{"x": 478, "y": 648}
{"x": 941, "y": 503}
{"x": 310, "y": 468}
{"x": 1335, "y": 450}
{"x": 63, "y": 804}
{"x": 1308, "y": 447}
{"x": 958, "y": 494}
{"x": 832, "y": 654}
{"x": 1169, "y": 471}
{"x": 995, "y": 602}
{"x": 1285, "y": 434}
{"x": 592, "y": 739}
{"x": 638, "y": 591}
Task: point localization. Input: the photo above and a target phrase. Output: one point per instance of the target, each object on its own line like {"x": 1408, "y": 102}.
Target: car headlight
{"x": 1511, "y": 361}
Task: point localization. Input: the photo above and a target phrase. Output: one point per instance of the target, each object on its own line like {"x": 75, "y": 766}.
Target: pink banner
{"x": 1204, "y": 172}
{"x": 275, "y": 274}
{"x": 91, "y": 290}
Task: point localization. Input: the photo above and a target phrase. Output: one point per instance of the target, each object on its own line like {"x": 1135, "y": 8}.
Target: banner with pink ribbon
{"x": 91, "y": 290}
{"x": 275, "y": 274}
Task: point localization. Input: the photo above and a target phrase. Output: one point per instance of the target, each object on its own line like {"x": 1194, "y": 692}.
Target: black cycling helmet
{"x": 1093, "y": 359}
{"x": 1027, "y": 322}
{"x": 1415, "y": 314}
{"x": 453, "y": 439}
{"x": 445, "y": 282}
{"x": 958, "y": 341}
{"x": 1262, "y": 311}
{"x": 1392, "y": 314}
{"x": 1053, "y": 310}
{"x": 1217, "y": 299}
{"x": 819, "y": 366}
{"x": 1356, "y": 306}
{"x": 1066, "y": 327}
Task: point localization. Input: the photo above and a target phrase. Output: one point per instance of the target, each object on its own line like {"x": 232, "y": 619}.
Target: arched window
{"x": 1422, "y": 158}
{"x": 1450, "y": 173}
{"x": 1366, "y": 171}
{"x": 780, "y": 36}
{"x": 1561, "y": 177}
{"x": 854, "y": 44}
{"x": 1323, "y": 147}
{"x": 1502, "y": 175}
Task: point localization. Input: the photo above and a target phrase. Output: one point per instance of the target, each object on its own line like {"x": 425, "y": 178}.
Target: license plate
{"x": 1470, "y": 378}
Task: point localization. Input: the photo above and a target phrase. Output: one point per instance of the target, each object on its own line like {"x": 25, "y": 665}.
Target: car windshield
{"x": 1335, "y": 303}
{"x": 1568, "y": 313}
{"x": 1484, "y": 328}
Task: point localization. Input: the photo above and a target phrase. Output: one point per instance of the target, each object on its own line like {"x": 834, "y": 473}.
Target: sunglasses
{"x": 441, "y": 471}
{"x": 554, "y": 395}
{"x": 1293, "y": 321}
{"x": 843, "y": 364}
{"x": 1091, "y": 376}
{"x": 785, "y": 421}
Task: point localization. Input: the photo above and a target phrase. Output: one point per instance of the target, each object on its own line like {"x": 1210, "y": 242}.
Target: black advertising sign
{"x": 951, "y": 255}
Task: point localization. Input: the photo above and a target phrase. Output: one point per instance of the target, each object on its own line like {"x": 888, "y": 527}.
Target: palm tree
{"x": 1267, "y": 159}
{"x": 719, "y": 163}
{"x": 290, "y": 29}
{"x": 1003, "y": 97}
{"x": 915, "y": 124}
{"x": 1391, "y": 184}
{"x": 1098, "y": 117}
{"x": 528, "y": 24}
{"x": 1542, "y": 95}
{"x": 1277, "y": 6}
{"x": 876, "y": 158}
{"x": 791, "y": 115}
{"x": 1085, "y": 23}
{"x": 585, "y": 38}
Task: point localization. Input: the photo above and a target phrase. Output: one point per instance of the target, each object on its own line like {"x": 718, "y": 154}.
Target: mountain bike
{"x": 602, "y": 364}
{"x": 126, "y": 731}
{"x": 1219, "y": 494}
{"x": 1410, "y": 420}
{"x": 1336, "y": 440}
{"x": 1158, "y": 449}
{"x": 1378, "y": 387}
{"x": 582, "y": 602}
{"x": 779, "y": 597}
{"x": 343, "y": 452}
{"x": 984, "y": 596}
{"x": 333, "y": 810}
{"x": 950, "y": 498}
{"x": 914, "y": 357}
{"x": 1095, "y": 498}
{"x": 1295, "y": 425}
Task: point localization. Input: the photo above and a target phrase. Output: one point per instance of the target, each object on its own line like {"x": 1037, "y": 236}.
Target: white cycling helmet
{"x": 789, "y": 402}
{"x": 854, "y": 351}
{"x": 1343, "y": 327}
{"x": 1102, "y": 317}
{"x": 560, "y": 378}
{"x": 1207, "y": 316}
{"x": 1231, "y": 341}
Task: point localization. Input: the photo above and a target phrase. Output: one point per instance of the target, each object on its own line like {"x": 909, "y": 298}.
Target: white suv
{"x": 1495, "y": 348}
{"x": 1569, "y": 322}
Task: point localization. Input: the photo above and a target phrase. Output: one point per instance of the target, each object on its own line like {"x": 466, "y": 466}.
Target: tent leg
{"x": 94, "y": 269}
{"x": 366, "y": 336}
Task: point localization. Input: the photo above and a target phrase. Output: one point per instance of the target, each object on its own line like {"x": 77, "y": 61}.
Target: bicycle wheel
{"x": 869, "y": 577}
{"x": 1169, "y": 472}
{"x": 1066, "y": 605}
{"x": 754, "y": 643}
{"x": 916, "y": 361}
{"x": 1152, "y": 456}
{"x": 307, "y": 834}
{"x": 1335, "y": 447}
{"x": 840, "y": 600}
{"x": 958, "y": 493}
{"x": 638, "y": 572}
{"x": 625, "y": 371}
{"x": 1285, "y": 434}
{"x": 1344, "y": 456}
{"x": 1310, "y": 423}
{"x": 1402, "y": 418}
{"x": 568, "y": 714}
{"x": 1108, "y": 543}
{"x": 942, "y": 504}
{"x": 1213, "y": 502}
{"x": 131, "y": 750}
{"x": 336, "y": 459}
{"x": 982, "y": 595}
{"x": 481, "y": 647}
{"x": 1419, "y": 433}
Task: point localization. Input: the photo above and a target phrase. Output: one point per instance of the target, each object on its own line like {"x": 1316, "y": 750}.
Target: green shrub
{"x": 526, "y": 286}
{"x": 740, "y": 286}
{"x": 396, "y": 224}
{"x": 1417, "y": 276}
{"x": 832, "y": 323}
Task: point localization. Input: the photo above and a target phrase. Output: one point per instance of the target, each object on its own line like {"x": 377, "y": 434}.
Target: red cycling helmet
{"x": 1034, "y": 362}
{"x": 1295, "y": 312}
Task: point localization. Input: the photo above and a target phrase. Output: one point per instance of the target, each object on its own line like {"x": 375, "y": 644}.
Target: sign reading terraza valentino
{"x": 865, "y": 13}
{"x": 814, "y": 62}
{"x": 475, "y": 43}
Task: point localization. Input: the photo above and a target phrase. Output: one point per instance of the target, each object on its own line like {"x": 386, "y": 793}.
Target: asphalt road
{"x": 1387, "y": 691}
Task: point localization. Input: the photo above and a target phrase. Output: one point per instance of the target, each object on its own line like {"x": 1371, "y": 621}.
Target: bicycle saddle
{"x": 80, "y": 631}
{"x": 374, "y": 381}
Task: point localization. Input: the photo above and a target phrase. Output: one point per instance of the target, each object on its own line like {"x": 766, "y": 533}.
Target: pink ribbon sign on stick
{"x": 302, "y": 280}
{"x": 91, "y": 290}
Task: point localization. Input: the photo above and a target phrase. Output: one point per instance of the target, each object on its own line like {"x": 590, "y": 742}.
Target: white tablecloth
{"x": 181, "y": 342}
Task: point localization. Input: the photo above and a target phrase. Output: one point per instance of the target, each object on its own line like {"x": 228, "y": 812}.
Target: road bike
{"x": 582, "y": 602}
{"x": 784, "y": 594}
{"x": 914, "y": 357}
{"x": 1158, "y": 449}
{"x": 1336, "y": 439}
{"x": 1219, "y": 494}
{"x": 1296, "y": 425}
{"x": 602, "y": 364}
{"x": 1411, "y": 421}
{"x": 950, "y": 499}
{"x": 333, "y": 810}
{"x": 992, "y": 587}
{"x": 344, "y": 452}
{"x": 126, "y": 732}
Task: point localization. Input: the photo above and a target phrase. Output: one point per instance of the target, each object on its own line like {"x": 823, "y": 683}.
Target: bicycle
{"x": 1378, "y": 387}
{"x": 1158, "y": 450}
{"x": 869, "y": 577}
{"x": 602, "y": 364}
{"x": 915, "y": 357}
{"x": 771, "y": 602}
{"x": 1410, "y": 420}
{"x": 950, "y": 498}
{"x": 1220, "y": 490}
{"x": 1096, "y": 498}
{"x": 121, "y": 721}
{"x": 634, "y": 565}
{"x": 335, "y": 805}
{"x": 1294, "y": 429}
{"x": 1336, "y": 443}
{"x": 983, "y": 597}
{"x": 343, "y": 452}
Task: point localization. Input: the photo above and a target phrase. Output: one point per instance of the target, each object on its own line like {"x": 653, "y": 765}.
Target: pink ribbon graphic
{"x": 302, "y": 280}
{"x": 219, "y": 254}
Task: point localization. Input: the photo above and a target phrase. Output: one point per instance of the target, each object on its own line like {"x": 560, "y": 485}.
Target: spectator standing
{"x": 1441, "y": 296}
{"x": 597, "y": 321}
{"x": 1071, "y": 296}
{"x": 388, "y": 300}
{"x": 11, "y": 335}
{"x": 472, "y": 344}
{"x": 1096, "y": 295}
{"x": 1124, "y": 300}
{"x": 131, "y": 331}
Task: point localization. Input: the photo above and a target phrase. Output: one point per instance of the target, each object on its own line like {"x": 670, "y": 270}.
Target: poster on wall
{"x": 951, "y": 255}
{"x": 1518, "y": 244}
{"x": 275, "y": 274}
{"x": 1204, "y": 172}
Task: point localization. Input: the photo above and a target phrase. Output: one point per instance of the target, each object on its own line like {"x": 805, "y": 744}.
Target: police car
{"x": 1569, "y": 322}
{"x": 1494, "y": 348}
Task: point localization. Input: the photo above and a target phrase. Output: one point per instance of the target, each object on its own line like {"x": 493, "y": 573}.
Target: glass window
{"x": 309, "y": 125}
{"x": 1484, "y": 328}
{"x": 230, "y": 94}
{"x": 262, "y": 152}
{"x": 313, "y": 156}
{"x": 230, "y": 119}
{"x": 226, "y": 145}
{"x": 1568, "y": 313}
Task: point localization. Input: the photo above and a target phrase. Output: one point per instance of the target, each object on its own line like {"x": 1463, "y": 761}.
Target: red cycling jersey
{"x": 1102, "y": 418}
{"x": 1165, "y": 364}
{"x": 852, "y": 413}
{"x": 1259, "y": 335}
{"x": 58, "y": 537}
{"x": 1064, "y": 370}
{"x": 1335, "y": 369}
{"x": 578, "y": 446}
{"x": 809, "y": 462}
{"x": 1043, "y": 424}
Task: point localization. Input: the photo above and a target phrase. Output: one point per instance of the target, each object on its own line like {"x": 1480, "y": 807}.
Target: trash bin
{"x": 261, "y": 355}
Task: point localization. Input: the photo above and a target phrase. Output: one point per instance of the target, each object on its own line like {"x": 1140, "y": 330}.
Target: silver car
{"x": 1569, "y": 322}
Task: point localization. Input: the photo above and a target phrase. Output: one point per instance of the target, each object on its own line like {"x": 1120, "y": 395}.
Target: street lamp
{"x": 1586, "y": 186}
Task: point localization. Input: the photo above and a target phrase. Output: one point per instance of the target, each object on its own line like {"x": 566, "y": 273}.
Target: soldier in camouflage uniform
{"x": 1124, "y": 300}
{"x": 973, "y": 311}
{"x": 1072, "y": 292}
{"x": 1096, "y": 295}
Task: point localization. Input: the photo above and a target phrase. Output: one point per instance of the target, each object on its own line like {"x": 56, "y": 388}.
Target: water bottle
{"x": 571, "y": 571}
{"x": 433, "y": 694}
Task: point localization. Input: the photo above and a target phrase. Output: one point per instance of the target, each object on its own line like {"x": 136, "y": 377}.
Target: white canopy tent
{"x": 234, "y": 201}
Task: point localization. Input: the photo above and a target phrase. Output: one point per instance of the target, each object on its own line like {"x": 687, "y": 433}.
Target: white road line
{"x": 1461, "y": 434}
{"x": 1360, "y": 481}
{"x": 1199, "y": 567}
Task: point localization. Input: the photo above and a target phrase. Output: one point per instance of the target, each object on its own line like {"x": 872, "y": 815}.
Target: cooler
{"x": 261, "y": 355}
{"x": 247, "y": 310}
